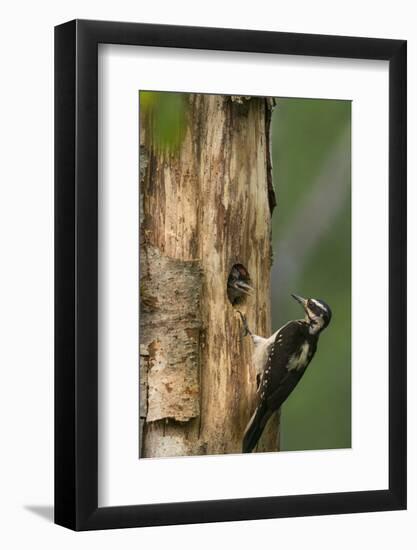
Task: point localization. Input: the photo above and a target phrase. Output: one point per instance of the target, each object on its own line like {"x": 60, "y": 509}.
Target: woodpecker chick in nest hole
{"x": 238, "y": 284}
{"x": 281, "y": 360}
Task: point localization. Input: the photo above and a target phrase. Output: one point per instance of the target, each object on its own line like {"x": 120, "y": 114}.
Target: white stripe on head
{"x": 318, "y": 304}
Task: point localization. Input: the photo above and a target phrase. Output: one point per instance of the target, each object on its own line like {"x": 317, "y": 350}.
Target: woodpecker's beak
{"x": 243, "y": 287}
{"x": 300, "y": 300}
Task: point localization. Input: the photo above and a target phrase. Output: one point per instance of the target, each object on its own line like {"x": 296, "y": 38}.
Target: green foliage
{"x": 318, "y": 414}
{"x": 165, "y": 117}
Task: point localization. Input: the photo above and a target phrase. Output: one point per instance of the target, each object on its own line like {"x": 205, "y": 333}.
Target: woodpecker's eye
{"x": 318, "y": 308}
{"x": 314, "y": 308}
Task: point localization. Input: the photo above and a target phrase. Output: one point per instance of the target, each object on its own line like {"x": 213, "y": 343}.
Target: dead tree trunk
{"x": 204, "y": 208}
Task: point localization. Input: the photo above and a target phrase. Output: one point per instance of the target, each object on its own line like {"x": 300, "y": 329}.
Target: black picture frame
{"x": 76, "y": 271}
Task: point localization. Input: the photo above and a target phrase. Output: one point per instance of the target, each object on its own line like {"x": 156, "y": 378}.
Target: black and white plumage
{"x": 280, "y": 362}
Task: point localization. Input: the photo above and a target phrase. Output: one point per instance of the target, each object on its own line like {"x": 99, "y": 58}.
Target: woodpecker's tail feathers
{"x": 255, "y": 428}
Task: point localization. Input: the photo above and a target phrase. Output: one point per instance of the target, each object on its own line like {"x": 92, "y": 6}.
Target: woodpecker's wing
{"x": 285, "y": 366}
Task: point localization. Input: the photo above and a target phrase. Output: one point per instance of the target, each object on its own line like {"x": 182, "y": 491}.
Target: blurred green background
{"x": 311, "y": 152}
{"x": 311, "y": 156}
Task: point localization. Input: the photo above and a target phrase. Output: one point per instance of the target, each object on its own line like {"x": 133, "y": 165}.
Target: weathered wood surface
{"x": 204, "y": 208}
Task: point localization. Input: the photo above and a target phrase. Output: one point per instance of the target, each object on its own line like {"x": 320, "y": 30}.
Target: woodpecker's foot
{"x": 246, "y": 330}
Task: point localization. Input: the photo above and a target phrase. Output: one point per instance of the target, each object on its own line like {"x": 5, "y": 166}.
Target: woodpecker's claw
{"x": 246, "y": 330}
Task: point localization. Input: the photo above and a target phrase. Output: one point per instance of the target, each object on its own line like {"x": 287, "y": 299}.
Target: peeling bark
{"x": 204, "y": 208}
{"x": 170, "y": 324}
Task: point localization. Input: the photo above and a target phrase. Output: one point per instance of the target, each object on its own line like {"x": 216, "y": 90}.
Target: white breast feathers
{"x": 261, "y": 351}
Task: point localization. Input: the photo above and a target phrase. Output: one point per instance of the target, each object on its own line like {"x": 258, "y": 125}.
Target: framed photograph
{"x": 230, "y": 252}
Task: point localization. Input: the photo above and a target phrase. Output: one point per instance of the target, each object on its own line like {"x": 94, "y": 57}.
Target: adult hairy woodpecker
{"x": 281, "y": 361}
{"x": 238, "y": 284}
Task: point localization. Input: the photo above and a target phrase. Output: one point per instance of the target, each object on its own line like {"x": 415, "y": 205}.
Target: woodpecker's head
{"x": 238, "y": 284}
{"x": 318, "y": 314}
